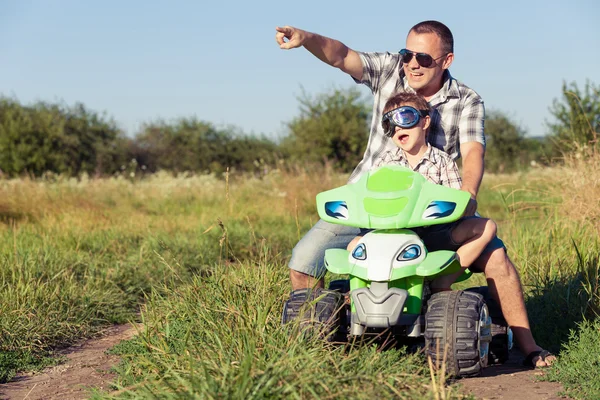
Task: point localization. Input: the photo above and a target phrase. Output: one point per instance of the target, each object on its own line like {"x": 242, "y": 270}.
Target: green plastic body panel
{"x": 393, "y": 198}
{"x": 437, "y": 263}
{"x": 336, "y": 261}
{"x": 414, "y": 286}
{"x": 390, "y": 197}
{"x": 410, "y": 278}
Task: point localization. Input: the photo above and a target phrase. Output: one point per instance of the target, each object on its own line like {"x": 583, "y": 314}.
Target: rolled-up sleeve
{"x": 375, "y": 66}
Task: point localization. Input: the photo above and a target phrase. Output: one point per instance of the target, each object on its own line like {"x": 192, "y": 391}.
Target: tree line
{"x": 43, "y": 137}
{"x": 330, "y": 128}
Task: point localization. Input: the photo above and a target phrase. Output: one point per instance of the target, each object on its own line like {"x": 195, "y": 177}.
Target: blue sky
{"x": 142, "y": 60}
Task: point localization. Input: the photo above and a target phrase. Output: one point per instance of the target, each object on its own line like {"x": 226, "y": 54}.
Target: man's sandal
{"x": 542, "y": 354}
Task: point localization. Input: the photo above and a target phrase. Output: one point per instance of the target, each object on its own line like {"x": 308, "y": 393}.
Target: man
{"x": 457, "y": 120}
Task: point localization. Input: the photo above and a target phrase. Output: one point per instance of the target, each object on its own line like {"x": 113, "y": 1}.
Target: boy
{"x": 405, "y": 120}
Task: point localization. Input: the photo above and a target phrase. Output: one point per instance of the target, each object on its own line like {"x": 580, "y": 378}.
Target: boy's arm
{"x": 330, "y": 51}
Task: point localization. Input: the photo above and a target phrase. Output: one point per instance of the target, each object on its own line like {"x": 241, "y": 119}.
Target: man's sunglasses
{"x": 404, "y": 117}
{"x": 424, "y": 59}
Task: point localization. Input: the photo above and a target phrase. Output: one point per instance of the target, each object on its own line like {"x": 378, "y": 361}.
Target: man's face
{"x": 426, "y": 81}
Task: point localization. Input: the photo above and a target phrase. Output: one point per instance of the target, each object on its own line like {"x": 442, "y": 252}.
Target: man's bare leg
{"x": 505, "y": 287}
{"x": 302, "y": 281}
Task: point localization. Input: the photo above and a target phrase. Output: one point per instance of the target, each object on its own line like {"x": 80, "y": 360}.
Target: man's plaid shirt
{"x": 457, "y": 112}
{"x": 435, "y": 165}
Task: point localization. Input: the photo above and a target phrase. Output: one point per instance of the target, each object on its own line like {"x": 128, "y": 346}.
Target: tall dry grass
{"x": 580, "y": 179}
{"x": 201, "y": 256}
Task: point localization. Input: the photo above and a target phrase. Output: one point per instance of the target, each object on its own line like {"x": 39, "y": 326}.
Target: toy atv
{"x": 389, "y": 271}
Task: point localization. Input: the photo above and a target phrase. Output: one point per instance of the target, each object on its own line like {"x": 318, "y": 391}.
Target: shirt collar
{"x": 449, "y": 87}
{"x": 427, "y": 154}
{"x": 399, "y": 155}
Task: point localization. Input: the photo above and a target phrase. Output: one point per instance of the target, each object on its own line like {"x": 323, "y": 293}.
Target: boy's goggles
{"x": 404, "y": 117}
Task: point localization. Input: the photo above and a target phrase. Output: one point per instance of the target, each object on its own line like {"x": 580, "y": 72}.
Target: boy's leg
{"x": 473, "y": 235}
{"x": 353, "y": 243}
{"x": 307, "y": 267}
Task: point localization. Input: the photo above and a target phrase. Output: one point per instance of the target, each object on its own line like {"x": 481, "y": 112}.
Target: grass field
{"x": 201, "y": 262}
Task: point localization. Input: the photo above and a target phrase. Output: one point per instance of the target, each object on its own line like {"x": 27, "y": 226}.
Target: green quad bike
{"x": 389, "y": 271}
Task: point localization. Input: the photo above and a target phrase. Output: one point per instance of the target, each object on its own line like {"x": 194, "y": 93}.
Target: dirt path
{"x": 511, "y": 381}
{"x": 87, "y": 366}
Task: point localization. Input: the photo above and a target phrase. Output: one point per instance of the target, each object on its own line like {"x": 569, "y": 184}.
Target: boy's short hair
{"x": 405, "y": 98}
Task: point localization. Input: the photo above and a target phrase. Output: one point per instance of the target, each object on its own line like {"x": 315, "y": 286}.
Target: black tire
{"x": 501, "y": 334}
{"x": 452, "y": 325}
{"x": 316, "y": 310}
{"x": 340, "y": 285}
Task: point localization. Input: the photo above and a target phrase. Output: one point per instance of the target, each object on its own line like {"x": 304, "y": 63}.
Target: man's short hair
{"x": 405, "y": 99}
{"x": 439, "y": 29}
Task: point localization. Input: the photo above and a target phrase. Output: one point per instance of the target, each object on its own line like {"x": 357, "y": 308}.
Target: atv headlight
{"x": 410, "y": 253}
{"x": 360, "y": 252}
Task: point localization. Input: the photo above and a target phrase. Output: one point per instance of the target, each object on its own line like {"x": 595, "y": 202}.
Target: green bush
{"x": 52, "y": 137}
{"x": 332, "y": 127}
{"x": 188, "y": 144}
{"x": 579, "y": 362}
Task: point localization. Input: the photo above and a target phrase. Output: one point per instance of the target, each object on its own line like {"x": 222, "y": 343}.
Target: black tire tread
{"x": 315, "y": 308}
{"x": 452, "y": 319}
{"x": 499, "y": 350}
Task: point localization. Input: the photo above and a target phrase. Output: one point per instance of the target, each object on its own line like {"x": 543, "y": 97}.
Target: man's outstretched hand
{"x": 295, "y": 37}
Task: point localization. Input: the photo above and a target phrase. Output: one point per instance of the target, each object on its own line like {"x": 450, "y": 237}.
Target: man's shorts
{"x": 308, "y": 255}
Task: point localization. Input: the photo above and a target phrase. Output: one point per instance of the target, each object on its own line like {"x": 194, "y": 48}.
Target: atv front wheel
{"x": 458, "y": 331}
{"x": 317, "y": 310}
{"x": 502, "y": 336}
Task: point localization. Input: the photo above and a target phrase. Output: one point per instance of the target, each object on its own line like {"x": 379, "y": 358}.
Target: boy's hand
{"x": 295, "y": 37}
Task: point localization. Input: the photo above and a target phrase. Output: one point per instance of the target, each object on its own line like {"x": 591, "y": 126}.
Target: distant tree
{"x": 251, "y": 153}
{"x": 331, "y": 127}
{"x": 188, "y": 144}
{"x": 184, "y": 145}
{"x": 508, "y": 149}
{"x": 94, "y": 141}
{"x": 576, "y": 116}
{"x": 53, "y": 137}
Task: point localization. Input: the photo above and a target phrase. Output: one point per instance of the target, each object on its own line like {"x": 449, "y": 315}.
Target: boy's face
{"x": 411, "y": 140}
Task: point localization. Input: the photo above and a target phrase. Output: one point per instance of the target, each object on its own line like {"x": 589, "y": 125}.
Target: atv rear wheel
{"x": 457, "y": 330}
